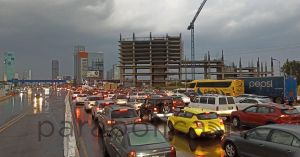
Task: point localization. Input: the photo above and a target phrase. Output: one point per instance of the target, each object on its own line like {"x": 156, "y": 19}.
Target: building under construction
{"x": 150, "y": 60}
{"x": 157, "y": 61}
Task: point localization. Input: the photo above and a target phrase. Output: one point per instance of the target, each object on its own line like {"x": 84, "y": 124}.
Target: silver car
{"x": 269, "y": 140}
{"x": 137, "y": 140}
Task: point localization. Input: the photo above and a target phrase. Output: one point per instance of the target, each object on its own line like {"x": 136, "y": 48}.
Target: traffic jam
{"x": 136, "y": 122}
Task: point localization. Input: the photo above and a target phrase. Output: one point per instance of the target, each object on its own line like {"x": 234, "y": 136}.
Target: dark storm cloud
{"x": 41, "y": 30}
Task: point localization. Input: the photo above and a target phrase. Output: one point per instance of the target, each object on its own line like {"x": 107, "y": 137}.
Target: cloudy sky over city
{"x": 41, "y": 30}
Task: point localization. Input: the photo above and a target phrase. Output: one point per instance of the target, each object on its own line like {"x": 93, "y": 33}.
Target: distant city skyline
{"x": 247, "y": 29}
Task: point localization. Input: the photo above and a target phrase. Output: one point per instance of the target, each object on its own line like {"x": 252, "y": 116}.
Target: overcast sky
{"x": 41, "y": 30}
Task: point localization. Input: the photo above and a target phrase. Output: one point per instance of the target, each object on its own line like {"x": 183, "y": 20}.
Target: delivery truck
{"x": 279, "y": 88}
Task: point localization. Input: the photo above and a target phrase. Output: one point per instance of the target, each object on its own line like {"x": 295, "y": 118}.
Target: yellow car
{"x": 197, "y": 122}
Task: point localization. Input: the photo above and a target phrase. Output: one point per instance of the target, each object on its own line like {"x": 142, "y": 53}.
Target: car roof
{"x": 127, "y": 128}
{"x": 280, "y": 106}
{"x": 284, "y": 127}
{"x": 196, "y": 110}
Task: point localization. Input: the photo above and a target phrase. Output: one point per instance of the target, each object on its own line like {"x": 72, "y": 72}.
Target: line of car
{"x": 203, "y": 116}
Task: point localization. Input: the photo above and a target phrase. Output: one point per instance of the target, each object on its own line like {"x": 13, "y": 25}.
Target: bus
{"x": 224, "y": 87}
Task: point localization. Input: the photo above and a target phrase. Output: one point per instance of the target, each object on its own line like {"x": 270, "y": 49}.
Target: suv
{"x": 221, "y": 104}
{"x": 115, "y": 114}
{"x": 159, "y": 107}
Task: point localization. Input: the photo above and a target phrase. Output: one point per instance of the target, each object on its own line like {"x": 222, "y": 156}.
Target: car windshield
{"x": 124, "y": 113}
{"x": 146, "y": 137}
{"x": 290, "y": 111}
{"x": 206, "y": 116}
{"x": 265, "y": 100}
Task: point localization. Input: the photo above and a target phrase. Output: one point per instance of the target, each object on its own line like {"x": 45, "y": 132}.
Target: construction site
{"x": 159, "y": 61}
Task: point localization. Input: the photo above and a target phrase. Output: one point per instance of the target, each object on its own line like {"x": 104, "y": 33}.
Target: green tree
{"x": 292, "y": 68}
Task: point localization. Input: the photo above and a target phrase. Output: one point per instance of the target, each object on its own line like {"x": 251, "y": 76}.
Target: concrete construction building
{"x": 150, "y": 60}
{"x": 55, "y": 69}
{"x": 88, "y": 66}
{"x": 9, "y": 66}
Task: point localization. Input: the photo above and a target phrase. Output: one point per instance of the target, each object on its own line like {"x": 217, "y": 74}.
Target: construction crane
{"x": 191, "y": 27}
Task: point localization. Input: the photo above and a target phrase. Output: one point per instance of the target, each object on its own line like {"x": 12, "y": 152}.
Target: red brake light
{"x": 173, "y": 108}
{"x": 221, "y": 121}
{"x": 283, "y": 116}
{"x": 110, "y": 122}
{"x": 123, "y": 110}
{"x": 199, "y": 124}
{"x": 173, "y": 152}
{"x": 138, "y": 120}
{"x": 132, "y": 154}
{"x": 155, "y": 109}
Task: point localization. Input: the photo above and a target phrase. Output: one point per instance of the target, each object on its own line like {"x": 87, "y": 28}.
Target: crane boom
{"x": 191, "y": 27}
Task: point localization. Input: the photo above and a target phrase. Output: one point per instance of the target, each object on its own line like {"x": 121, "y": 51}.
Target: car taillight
{"x": 199, "y": 124}
{"x": 173, "y": 152}
{"x": 221, "y": 121}
{"x": 138, "y": 120}
{"x": 173, "y": 108}
{"x": 131, "y": 154}
{"x": 284, "y": 116}
{"x": 110, "y": 122}
{"x": 155, "y": 109}
{"x": 174, "y": 102}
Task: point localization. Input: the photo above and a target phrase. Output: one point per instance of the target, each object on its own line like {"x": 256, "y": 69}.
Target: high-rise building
{"x": 116, "y": 72}
{"x": 55, "y": 69}
{"x": 88, "y": 66}
{"x": 9, "y": 66}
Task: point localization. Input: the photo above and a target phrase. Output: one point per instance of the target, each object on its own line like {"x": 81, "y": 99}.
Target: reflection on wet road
{"x": 91, "y": 144}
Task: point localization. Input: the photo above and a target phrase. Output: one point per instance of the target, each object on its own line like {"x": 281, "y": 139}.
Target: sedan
{"x": 269, "y": 140}
{"x": 257, "y": 115}
{"x": 137, "y": 140}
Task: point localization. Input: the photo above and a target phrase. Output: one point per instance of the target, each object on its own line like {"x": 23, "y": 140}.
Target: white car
{"x": 98, "y": 108}
{"x": 221, "y": 104}
{"x": 244, "y": 96}
{"x": 136, "y": 103}
{"x": 109, "y": 96}
{"x": 91, "y": 101}
{"x": 244, "y": 103}
{"x": 120, "y": 99}
{"x": 184, "y": 98}
{"x": 75, "y": 94}
{"x": 137, "y": 95}
{"x": 80, "y": 99}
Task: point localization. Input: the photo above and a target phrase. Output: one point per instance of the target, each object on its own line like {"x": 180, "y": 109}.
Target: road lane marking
{"x": 11, "y": 122}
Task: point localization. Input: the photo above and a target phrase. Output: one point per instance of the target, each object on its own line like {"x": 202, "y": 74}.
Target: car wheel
{"x": 236, "y": 122}
{"x": 170, "y": 125}
{"x": 192, "y": 134}
{"x": 230, "y": 150}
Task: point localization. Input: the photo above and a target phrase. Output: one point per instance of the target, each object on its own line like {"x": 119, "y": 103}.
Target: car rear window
{"x": 290, "y": 111}
{"x": 95, "y": 98}
{"x": 76, "y": 92}
{"x": 82, "y": 95}
{"x": 206, "y": 116}
{"x": 146, "y": 137}
{"x": 124, "y": 113}
{"x": 121, "y": 97}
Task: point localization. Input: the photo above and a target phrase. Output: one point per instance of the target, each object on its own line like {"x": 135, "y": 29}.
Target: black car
{"x": 157, "y": 107}
{"x": 134, "y": 140}
{"x": 265, "y": 141}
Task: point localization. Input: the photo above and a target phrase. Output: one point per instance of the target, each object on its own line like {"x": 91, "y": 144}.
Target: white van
{"x": 221, "y": 104}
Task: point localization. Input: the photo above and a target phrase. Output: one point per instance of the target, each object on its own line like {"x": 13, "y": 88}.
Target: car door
{"x": 248, "y": 115}
{"x": 265, "y": 115}
{"x": 179, "y": 123}
{"x": 187, "y": 121}
{"x": 114, "y": 146}
{"x": 282, "y": 144}
{"x": 253, "y": 145}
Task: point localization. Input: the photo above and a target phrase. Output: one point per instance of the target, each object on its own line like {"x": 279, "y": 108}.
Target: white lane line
{"x": 70, "y": 147}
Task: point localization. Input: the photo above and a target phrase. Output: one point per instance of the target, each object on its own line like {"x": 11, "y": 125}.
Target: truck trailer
{"x": 279, "y": 88}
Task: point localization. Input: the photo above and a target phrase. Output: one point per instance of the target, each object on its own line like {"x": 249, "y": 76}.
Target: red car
{"x": 263, "y": 114}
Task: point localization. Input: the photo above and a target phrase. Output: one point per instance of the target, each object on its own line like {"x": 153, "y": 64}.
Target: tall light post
{"x": 273, "y": 59}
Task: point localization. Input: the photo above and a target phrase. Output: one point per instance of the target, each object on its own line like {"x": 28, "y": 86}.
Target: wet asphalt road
{"x": 91, "y": 143}
{"x": 30, "y": 127}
